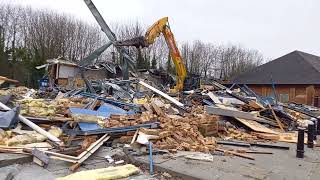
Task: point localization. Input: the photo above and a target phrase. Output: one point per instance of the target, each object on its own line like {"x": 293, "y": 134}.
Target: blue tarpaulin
{"x": 105, "y": 111}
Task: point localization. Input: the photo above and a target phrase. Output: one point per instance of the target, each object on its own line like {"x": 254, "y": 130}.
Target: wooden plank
{"x": 256, "y": 126}
{"x": 86, "y": 143}
{"x": 82, "y": 154}
{"x": 252, "y": 152}
{"x": 7, "y": 79}
{"x": 62, "y": 159}
{"x": 158, "y": 102}
{"x": 231, "y": 113}
{"x": 255, "y": 104}
{"x": 249, "y": 123}
{"x": 214, "y": 98}
{"x": 54, "y": 154}
{"x": 157, "y": 109}
{"x": 267, "y": 136}
{"x": 104, "y": 138}
{"x": 291, "y": 137}
{"x": 235, "y": 153}
{"x": 13, "y": 151}
{"x": 86, "y": 154}
{"x": 276, "y": 117}
{"x": 135, "y": 136}
{"x": 148, "y": 108}
{"x": 41, "y": 145}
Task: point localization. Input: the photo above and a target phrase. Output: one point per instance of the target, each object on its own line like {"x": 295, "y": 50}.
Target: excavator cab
{"x": 191, "y": 82}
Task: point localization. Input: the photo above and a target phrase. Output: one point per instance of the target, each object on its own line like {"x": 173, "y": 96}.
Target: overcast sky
{"x": 274, "y": 27}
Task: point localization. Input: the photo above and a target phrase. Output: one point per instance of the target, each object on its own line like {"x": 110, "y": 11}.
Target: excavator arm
{"x": 158, "y": 28}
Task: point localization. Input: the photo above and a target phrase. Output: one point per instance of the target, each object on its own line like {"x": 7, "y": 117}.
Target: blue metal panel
{"x": 105, "y": 110}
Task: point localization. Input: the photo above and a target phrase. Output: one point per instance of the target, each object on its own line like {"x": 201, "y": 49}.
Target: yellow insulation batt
{"x": 32, "y": 137}
{"x": 104, "y": 173}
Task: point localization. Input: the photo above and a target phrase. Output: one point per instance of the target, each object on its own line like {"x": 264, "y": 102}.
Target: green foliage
{"x": 143, "y": 61}
{"x": 22, "y": 66}
{"x": 140, "y": 60}
{"x": 146, "y": 61}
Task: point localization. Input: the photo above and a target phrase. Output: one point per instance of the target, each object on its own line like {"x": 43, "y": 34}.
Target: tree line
{"x": 28, "y": 37}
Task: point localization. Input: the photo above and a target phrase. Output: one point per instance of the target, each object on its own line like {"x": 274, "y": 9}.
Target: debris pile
{"x": 182, "y": 134}
{"x": 73, "y": 125}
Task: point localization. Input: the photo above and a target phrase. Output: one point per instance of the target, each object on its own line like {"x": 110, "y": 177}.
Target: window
{"x": 284, "y": 98}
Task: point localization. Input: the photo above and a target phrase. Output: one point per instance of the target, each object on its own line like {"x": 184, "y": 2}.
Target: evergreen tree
{"x": 140, "y": 60}
{"x": 154, "y": 63}
{"x": 146, "y": 64}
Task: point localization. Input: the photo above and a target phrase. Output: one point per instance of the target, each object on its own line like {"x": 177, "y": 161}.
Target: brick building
{"x": 296, "y": 77}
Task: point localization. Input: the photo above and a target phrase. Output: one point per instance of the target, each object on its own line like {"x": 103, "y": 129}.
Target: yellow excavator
{"x": 183, "y": 82}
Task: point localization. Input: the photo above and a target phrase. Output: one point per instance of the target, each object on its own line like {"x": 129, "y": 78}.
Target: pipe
{"x": 36, "y": 127}
{"x": 171, "y": 99}
{"x": 300, "y": 143}
{"x": 150, "y": 158}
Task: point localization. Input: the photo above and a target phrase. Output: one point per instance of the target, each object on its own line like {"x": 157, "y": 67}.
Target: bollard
{"x": 310, "y": 135}
{"x": 315, "y": 122}
{"x": 300, "y": 143}
{"x": 318, "y": 127}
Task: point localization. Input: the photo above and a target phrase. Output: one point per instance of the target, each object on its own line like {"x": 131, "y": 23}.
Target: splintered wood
{"x": 184, "y": 134}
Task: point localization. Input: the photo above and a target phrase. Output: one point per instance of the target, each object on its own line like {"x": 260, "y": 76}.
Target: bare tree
{"x": 37, "y": 35}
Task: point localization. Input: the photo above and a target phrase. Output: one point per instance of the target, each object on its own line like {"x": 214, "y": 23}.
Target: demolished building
{"x": 67, "y": 74}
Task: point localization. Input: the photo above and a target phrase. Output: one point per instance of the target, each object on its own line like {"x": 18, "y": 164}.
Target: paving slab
{"x": 57, "y": 168}
{"x": 282, "y": 164}
{"x": 7, "y": 159}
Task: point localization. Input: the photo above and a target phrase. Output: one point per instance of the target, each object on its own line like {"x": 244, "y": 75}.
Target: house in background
{"x": 67, "y": 74}
{"x": 296, "y": 77}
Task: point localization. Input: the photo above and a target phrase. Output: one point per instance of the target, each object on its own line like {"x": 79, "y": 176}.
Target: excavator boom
{"x": 158, "y": 28}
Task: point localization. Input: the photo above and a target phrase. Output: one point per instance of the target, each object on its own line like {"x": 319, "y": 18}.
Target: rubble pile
{"x": 73, "y": 125}
{"x": 183, "y": 134}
